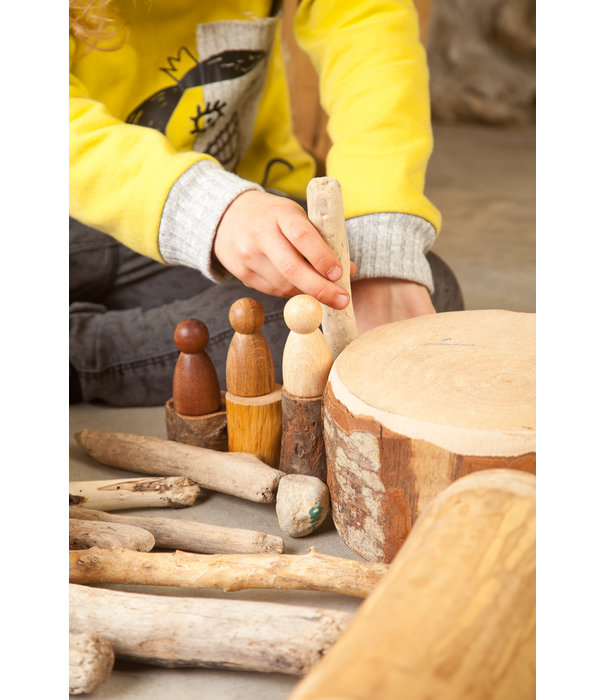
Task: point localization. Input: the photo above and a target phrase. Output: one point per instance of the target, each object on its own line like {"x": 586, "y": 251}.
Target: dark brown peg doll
{"x": 195, "y": 385}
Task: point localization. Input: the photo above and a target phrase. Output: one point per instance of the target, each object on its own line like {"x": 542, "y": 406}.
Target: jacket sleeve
{"x": 373, "y": 81}
{"x": 127, "y": 181}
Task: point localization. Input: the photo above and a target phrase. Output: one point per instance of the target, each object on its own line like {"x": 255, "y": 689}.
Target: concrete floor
{"x": 482, "y": 179}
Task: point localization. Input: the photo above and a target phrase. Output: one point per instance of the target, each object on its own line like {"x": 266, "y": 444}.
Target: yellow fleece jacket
{"x": 178, "y": 74}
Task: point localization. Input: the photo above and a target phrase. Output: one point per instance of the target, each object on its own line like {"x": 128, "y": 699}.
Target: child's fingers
{"x": 289, "y": 264}
{"x": 308, "y": 241}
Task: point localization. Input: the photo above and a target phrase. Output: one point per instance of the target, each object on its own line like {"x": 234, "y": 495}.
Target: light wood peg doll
{"x": 307, "y": 358}
{"x": 307, "y": 361}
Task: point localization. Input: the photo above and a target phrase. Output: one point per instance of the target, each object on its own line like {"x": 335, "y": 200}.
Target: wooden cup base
{"x": 255, "y": 425}
{"x": 202, "y": 431}
{"x": 302, "y": 443}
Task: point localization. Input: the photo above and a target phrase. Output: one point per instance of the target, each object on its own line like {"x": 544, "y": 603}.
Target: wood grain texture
{"x": 326, "y": 213}
{"x": 208, "y": 431}
{"x": 91, "y": 660}
{"x": 229, "y": 572}
{"x": 307, "y": 358}
{"x": 414, "y": 405}
{"x": 454, "y": 618}
{"x": 231, "y": 634}
{"x": 254, "y": 425}
{"x": 195, "y": 386}
{"x": 117, "y": 494}
{"x": 191, "y": 535}
{"x": 238, "y": 474}
{"x": 302, "y": 442}
{"x": 85, "y": 533}
{"x": 249, "y": 366}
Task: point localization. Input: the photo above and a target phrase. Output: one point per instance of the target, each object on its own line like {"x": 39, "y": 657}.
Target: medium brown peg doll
{"x": 253, "y": 399}
{"x": 249, "y": 370}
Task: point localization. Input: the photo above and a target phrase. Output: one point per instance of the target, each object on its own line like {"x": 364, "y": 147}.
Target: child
{"x": 181, "y": 148}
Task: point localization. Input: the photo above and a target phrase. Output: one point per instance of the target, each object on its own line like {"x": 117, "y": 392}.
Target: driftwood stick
{"x": 115, "y": 494}
{"x": 238, "y": 474}
{"x": 90, "y": 662}
{"x": 173, "y": 533}
{"x": 85, "y": 533}
{"x": 326, "y": 213}
{"x": 231, "y": 572}
{"x": 231, "y": 634}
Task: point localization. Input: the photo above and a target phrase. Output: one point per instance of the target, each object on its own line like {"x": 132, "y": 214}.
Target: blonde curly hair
{"x": 93, "y": 22}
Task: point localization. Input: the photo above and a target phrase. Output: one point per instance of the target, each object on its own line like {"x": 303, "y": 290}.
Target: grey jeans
{"x": 124, "y": 307}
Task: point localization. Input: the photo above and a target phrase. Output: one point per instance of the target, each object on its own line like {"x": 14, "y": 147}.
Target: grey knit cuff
{"x": 391, "y": 244}
{"x": 193, "y": 209}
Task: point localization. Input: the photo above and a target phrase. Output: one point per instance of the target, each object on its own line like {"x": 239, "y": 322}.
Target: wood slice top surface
{"x": 463, "y": 380}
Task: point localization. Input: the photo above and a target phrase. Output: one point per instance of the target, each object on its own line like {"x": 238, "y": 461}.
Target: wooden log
{"x": 116, "y": 494}
{"x": 86, "y": 533}
{"x": 302, "y": 444}
{"x": 413, "y": 405}
{"x": 302, "y": 504}
{"x": 190, "y": 535}
{"x": 91, "y": 661}
{"x": 229, "y": 572}
{"x": 326, "y": 213}
{"x": 454, "y": 618}
{"x": 255, "y": 425}
{"x": 229, "y": 634}
{"x": 208, "y": 431}
{"x": 238, "y": 474}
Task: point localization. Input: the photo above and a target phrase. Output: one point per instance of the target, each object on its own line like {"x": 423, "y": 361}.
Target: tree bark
{"x": 229, "y": 634}
{"x": 208, "y": 431}
{"x": 413, "y": 405}
{"x": 302, "y": 443}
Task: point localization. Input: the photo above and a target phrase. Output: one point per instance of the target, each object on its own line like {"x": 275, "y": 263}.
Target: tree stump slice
{"x": 414, "y": 405}
{"x": 208, "y": 431}
{"x": 302, "y": 445}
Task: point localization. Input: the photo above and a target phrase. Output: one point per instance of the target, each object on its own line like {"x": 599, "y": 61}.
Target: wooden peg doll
{"x": 253, "y": 399}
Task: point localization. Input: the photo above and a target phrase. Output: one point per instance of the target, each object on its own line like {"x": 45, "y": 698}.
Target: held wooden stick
{"x": 84, "y": 533}
{"x": 90, "y": 662}
{"x": 231, "y": 634}
{"x": 116, "y": 494}
{"x": 190, "y": 535}
{"x": 454, "y": 618}
{"x": 230, "y": 572}
{"x": 238, "y": 474}
{"x": 326, "y": 213}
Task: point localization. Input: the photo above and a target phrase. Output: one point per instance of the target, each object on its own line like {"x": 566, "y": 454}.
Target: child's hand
{"x": 384, "y": 300}
{"x": 266, "y": 241}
